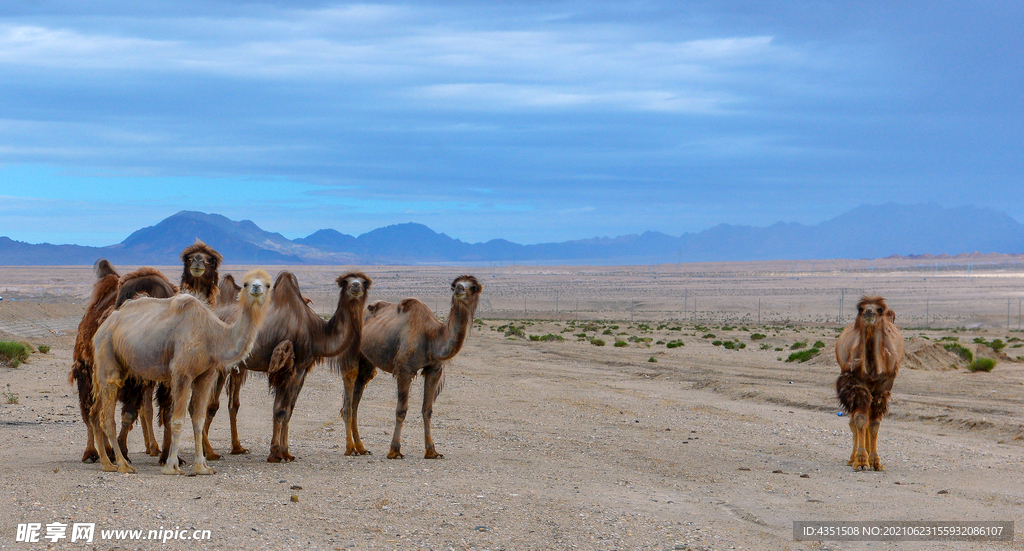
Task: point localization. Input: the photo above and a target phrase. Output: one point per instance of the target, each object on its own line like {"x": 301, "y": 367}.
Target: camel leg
{"x": 361, "y": 376}
{"x": 110, "y": 426}
{"x": 293, "y": 396}
{"x": 280, "y": 413}
{"x": 859, "y": 426}
{"x": 281, "y": 372}
{"x": 100, "y": 440}
{"x": 404, "y": 379}
{"x": 431, "y": 381}
{"x": 202, "y": 388}
{"x": 180, "y": 395}
{"x": 211, "y": 411}
{"x": 146, "y": 420}
{"x": 106, "y": 375}
{"x": 83, "y": 378}
{"x": 876, "y": 462}
{"x": 235, "y": 382}
{"x": 130, "y": 395}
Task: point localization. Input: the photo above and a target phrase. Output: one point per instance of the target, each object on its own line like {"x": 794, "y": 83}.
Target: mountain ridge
{"x": 867, "y": 231}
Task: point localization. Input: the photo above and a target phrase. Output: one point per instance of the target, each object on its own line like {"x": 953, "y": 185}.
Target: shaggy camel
{"x": 111, "y": 291}
{"x": 178, "y": 341}
{"x": 404, "y": 339}
{"x": 199, "y": 272}
{"x": 869, "y": 352}
{"x": 292, "y": 341}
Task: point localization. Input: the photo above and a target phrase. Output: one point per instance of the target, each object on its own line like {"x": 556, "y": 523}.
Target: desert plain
{"x": 551, "y": 441}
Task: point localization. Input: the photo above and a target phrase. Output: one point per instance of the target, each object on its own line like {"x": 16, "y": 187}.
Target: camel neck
{"x": 455, "y": 327}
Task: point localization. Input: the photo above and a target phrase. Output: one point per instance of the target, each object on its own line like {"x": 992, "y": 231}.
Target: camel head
{"x": 256, "y": 287}
{"x": 872, "y": 309}
{"x": 200, "y": 258}
{"x": 354, "y": 284}
{"x": 466, "y": 289}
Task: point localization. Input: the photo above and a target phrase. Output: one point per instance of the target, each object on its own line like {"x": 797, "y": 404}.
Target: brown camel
{"x": 292, "y": 341}
{"x": 179, "y": 341}
{"x": 199, "y": 272}
{"x": 869, "y": 352}
{"x": 405, "y": 339}
{"x": 111, "y": 291}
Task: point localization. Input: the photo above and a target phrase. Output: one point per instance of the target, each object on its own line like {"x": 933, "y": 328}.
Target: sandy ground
{"x": 548, "y": 445}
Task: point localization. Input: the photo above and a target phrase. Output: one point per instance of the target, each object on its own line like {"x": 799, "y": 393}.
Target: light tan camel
{"x": 177, "y": 340}
{"x": 291, "y": 342}
{"x": 869, "y": 352}
{"x": 405, "y": 339}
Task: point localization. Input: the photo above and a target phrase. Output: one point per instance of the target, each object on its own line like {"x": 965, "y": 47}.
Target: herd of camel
{"x": 142, "y": 337}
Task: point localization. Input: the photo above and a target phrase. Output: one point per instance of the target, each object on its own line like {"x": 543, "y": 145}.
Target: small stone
{"x": 778, "y": 471}
{"x": 943, "y": 492}
{"x": 296, "y": 487}
{"x": 805, "y": 475}
{"x": 295, "y": 498}
{"x": 743, "y": 469}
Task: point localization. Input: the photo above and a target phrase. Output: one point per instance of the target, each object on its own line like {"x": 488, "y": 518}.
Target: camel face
{"x": 871, "y": 312}
{"x": 197, "y": 266}
{"x": 355, "y": 286}
{"x": 256, "y": 284}
{"x": 465, "y": 286}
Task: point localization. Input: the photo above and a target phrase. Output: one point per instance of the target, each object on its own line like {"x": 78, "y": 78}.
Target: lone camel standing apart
{"x": 869, "y": 352}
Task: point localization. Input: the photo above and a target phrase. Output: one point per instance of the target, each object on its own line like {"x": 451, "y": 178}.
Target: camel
{"x": 228, "y": 290}
{"x": 869, "y": 352}
{"x": 110, "y": 291}
{"x": 178, "y": 341}
{"x": 292, "y": 341}
{"x": 199, "y": 272}
{"x": 405, "y": 339}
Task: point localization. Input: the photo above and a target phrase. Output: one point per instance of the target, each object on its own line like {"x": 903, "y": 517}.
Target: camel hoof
{"x": 109, "y": 468}
{"x": 205, "y": 469}
{"x": 153, "y": 452}
{"x": 212, "y": 456}
{"x": 126, "y": 469}
{"x": 434, "y": 455}
{"x": 274, "y": 458}
{"x": 239, "y": 450}
{"x": 395, "y": 455}
{"x": 90, "y": 457}
{"x": 171, "y": 469}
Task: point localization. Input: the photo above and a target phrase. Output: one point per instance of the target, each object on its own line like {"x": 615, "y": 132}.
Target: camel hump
{"x": 406, "y": 305}
{"x": 102, "y": 268}
{"x": 184, "y": 301}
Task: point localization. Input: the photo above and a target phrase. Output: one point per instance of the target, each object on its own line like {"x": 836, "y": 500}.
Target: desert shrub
{"x": 652, "y": 360}
{"x": 766, "y": 346}
{"x": 674, "y": 344}
{"x": 676, "y": 328}
{"x": 819, "y": 344}
{"x": 13, "y": 353}
{"x": 620, "y": 344}
{"x": 660, "y": 342}
{"x": 778, "y": 349}
{"x": 11, "y": 397}
{"x": 700, "y": 328}
{"x": 717, "y": 343}
{"x": 512, "y": 330}
{"x": 44, "y": 349}
{"x": 997, "y": 344}
{"x": 961, "y": 351}
{"x": 548, "y": 337}
{"x": 643, "y": 327}
{"x": 758, "y": 337}
{"x": 798, "y": 345}
{"x": 607, "y": 332}
{"x": 982, "y": 364}
{"x": 646, "y": 340}
{"x": 803, "y": 355}
{"x": 708, "y": 336}
{"x": 613, "y": 327}
{"x": 954, "y": 339}
{"x": 597, "y": 342}
{"x": 580, "y": 335}
{"x": 728, "y": 328}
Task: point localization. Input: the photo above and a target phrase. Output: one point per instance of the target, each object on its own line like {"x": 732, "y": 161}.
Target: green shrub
{"x": 982, "y": 364}
{"x": 12, "y": 398}
{"x": 766, "y": 346}
{"x": 758, "y": 337}
{"x": 798, "y": 345}
{"x": 597, "y": 342}
{"x": 819, "y": 344}
{"x": 674, "y": 344}
{"x": 708, "y": 336}
{"x": 997, "y": 344}
{"x": 660, "y": 342}
{"x": 620, "y": 344}
{"x": 717, "y": 343}
{"x": 607, "y": 332}
{"x": 44, "y": 349}
{"x": 548, "y": 337}
{"x": 652, "y": 360}
{"x": 13, "y": 353}
{"x": 961, "y": 351}
{"x": 803, "y": 355}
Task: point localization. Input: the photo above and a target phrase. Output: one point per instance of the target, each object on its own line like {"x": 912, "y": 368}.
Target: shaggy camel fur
{"x": 405, "y": 339}
{"x": 110, "y": 292}
{"x": 199, "y": 272}
{"x": 869, "y": 352}
{"x": 178, "y": 341}
{"x": 292, "y": 341}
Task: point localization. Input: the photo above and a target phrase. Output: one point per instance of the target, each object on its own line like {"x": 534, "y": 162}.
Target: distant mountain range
{"x": 868, "y": 231}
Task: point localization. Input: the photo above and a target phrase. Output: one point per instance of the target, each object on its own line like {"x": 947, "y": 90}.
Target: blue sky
{"x": 530, "y": 121}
